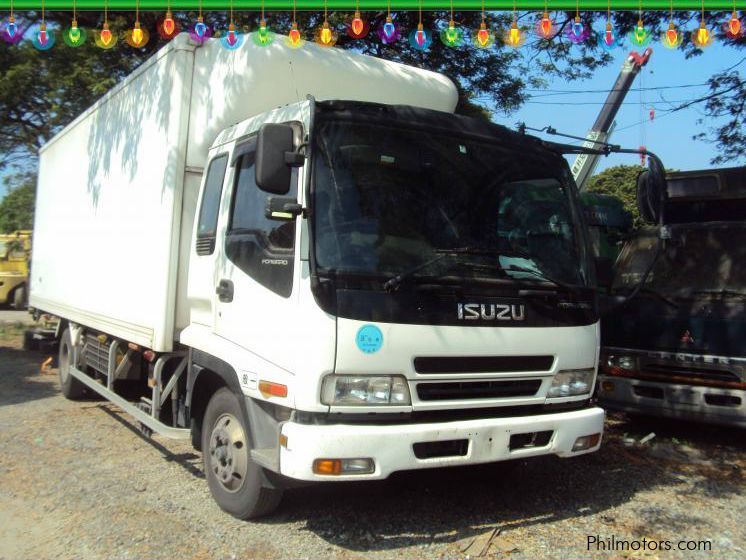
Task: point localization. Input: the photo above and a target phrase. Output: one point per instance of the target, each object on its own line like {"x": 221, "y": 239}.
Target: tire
{"x": 19, "y": 298}
{"x": 71, "y": 387}
{"x": 238, "y": 485}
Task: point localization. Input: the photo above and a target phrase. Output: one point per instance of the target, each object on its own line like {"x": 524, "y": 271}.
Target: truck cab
{"x": 414, "y": 291}
{"x": 676, "y": 349}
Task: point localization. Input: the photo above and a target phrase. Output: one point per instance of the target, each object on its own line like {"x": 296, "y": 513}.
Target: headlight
{"x": 364, "y": 390}
{"x": 621, "y": 361}
{"x": 572, "y": 382}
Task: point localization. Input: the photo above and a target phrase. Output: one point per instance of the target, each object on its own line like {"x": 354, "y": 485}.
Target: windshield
{"x": 696, "y": 260}
{"x": 390, "y": 201}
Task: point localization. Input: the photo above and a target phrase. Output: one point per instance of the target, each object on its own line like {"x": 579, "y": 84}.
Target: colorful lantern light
{"x": 577, "y": 32}
{"x": 671, "y": 38}
{"x": 137, "y": 37}
{"x": 358, "y": 27}
{"x": 452, "y": 36}
{"x": 263, "y": 36}
{"x": 608, "y": 39}
{"x": 514, "y": 37}
{"x": 105, "y": 39}
{"x": 733, "y": 28}
{"x": 232, "y": 39}
{"x": 482, "y": 37}
{"x": 420, "y": 38}
{"x": 295, "y": 38}
{"x": 9, "y": 29}
{"x": 42, "y": 38}
{"x": 167, "y": 27}
{"x": 74, "y": 36}
{"x": 325, "y": 35}
{"x": 388, "y": 32}
{"x": 545, "y": 27}
{"x": 200, "y": 31}
{"x": 702, "y": 37}
{"x": 639, "y": 36}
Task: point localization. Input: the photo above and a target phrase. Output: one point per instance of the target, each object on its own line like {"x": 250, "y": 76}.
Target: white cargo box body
{"x": 118, "y": 187}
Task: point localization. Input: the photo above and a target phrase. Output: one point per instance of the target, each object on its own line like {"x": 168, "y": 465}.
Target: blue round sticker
{"x": 369, "y": 339}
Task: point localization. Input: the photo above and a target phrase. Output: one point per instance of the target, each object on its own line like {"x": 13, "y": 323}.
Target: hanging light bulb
{"x": 640, "y": 36}
{"x": 263, "y": 37}
{"x": 671, "y": 38}
{"x": 12, "y": 28}
{"x": 514, "y": 37}
{"x": 388, "y": 31}
{"x": 607, "y": 39}
{"x": 41, "y": 38}
{"x": 325, "y": 35}
{"x": 137, "y": 37}
{"x": 200, "y": 31}
{"x": 577, "y": 32}
{"x": 169, "y": 25}
{"x": 482, "y": 38}
{"x": 451, "y": 36}
{"x": 545, "y": 28}
{"x": 702, "y": 37}
{"x": 358, "y": 28}
{"x": 420, "y": 39}
{"x": 232, "y": 40}
{"x": 294, "y": 37}
{"x": 74, "y": 36}
{"x": 733, "y": 27}
{"x": 168, "y": 28}
{"x": 106, "y": 34}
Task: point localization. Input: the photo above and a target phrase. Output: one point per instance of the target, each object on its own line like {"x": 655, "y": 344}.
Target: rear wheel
{"x": 71, "y": 387}
{"x": 19, "y": 298}
{"x": 238, "y": 485}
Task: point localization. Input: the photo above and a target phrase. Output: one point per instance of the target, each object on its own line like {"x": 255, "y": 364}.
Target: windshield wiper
{"x": 394, "y": 282}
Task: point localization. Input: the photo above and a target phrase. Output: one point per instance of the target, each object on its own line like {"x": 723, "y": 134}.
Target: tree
{"x": 17, "y": 208}
{"x": 619, "y": 181}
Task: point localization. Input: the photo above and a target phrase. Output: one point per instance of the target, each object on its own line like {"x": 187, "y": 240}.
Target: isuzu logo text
{"x": 491, "y": 312}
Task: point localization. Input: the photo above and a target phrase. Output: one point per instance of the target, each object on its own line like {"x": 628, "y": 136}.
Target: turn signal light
{"x": 269, "y": 389}
{"x": 343, "y": 466}
{"x": 586, "y": 442}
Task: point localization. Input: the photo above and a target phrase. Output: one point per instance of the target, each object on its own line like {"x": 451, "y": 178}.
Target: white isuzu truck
{"x": 306, "y": 263}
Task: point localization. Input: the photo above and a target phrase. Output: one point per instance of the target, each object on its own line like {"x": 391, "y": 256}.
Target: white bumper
{"x": 390, "y": 446}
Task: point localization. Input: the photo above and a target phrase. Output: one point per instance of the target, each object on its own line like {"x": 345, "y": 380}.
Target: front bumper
{"x": 687, "y": 402}
{"x": 391, "y": 446}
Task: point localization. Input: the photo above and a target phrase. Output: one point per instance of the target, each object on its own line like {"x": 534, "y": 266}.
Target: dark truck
{"x": 674, "y": 342}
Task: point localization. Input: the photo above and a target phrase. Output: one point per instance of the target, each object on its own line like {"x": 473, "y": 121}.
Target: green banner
{"x": 374, "y": 5}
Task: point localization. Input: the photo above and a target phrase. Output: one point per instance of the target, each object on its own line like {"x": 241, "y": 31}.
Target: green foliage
{"x": 619, "y": 181}
{"x": 17, "y": 208}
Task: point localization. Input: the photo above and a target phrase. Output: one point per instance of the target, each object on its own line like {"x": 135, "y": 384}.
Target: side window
{"x": 208, "y": 213}
{"x": 260, "y": 247}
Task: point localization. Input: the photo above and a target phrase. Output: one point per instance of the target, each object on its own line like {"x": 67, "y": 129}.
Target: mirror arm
{"x": 295, "y": 159}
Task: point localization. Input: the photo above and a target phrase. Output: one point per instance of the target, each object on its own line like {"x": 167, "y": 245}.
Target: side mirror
{"x": 651, "y": 189}
{"x": 274, "y": 158}
{"x": 604, "y": 271}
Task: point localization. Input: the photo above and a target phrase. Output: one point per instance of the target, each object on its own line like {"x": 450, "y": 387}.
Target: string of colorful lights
{"x": 388, "y": 32}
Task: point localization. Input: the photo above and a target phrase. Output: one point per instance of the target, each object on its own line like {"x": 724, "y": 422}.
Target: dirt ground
{"x": 77, "y": 480}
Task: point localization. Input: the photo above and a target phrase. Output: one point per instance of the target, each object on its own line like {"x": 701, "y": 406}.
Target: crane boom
{"x": 584, "y": 164}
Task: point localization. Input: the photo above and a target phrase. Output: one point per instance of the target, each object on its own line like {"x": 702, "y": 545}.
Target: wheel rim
{"x": 228, "y": 453}
{"x": 64, "y": 361}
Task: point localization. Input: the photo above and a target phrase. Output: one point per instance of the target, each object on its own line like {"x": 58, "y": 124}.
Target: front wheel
{"x": 19, "y": 298}
{"x": 71, "y": 387}
{"x": 238, "y": 485}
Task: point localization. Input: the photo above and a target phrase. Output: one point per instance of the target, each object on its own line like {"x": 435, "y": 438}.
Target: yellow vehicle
{"x": 15, "y": 254}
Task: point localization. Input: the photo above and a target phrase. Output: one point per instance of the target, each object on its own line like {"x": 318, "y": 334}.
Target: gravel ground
{"x": 78, "y": 481}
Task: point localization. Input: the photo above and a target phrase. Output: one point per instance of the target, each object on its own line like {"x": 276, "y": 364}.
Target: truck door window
{"x": 260, "y": 247}
{"x": 208, "y": 213}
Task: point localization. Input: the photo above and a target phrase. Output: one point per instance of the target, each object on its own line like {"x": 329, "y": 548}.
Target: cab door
{"x": 255, "y": 292}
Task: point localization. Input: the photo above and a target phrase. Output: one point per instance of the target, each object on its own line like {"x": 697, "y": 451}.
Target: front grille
{"x": 482, "y": 364}
{"x": 694, "y": 372}
{"x": 477, "y": 389}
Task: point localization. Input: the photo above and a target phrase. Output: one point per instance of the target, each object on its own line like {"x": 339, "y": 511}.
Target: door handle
{"x": 225, "y": 291}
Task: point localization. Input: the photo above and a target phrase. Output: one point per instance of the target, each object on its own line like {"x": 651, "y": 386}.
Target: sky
{"x": 669, "y": 136}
